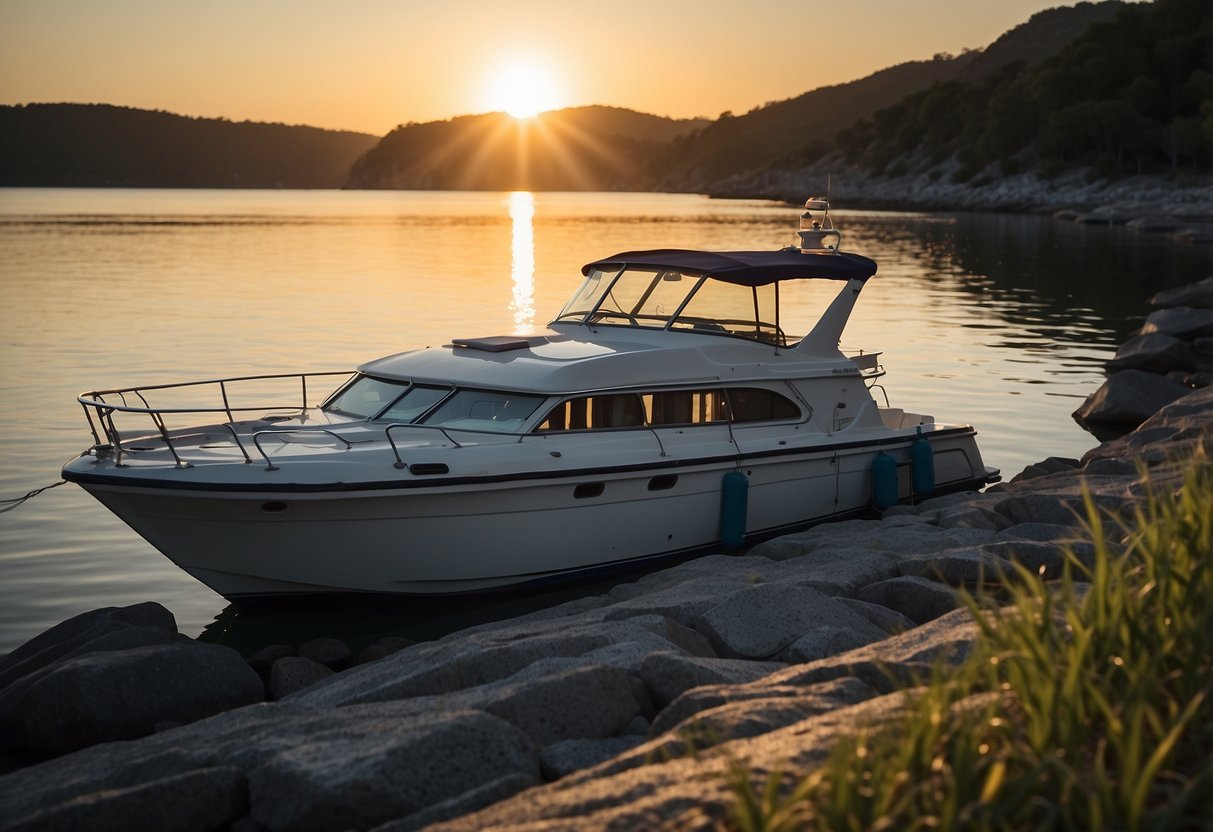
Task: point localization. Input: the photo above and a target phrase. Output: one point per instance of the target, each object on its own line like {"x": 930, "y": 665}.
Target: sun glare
{"x": 523, "y": 91}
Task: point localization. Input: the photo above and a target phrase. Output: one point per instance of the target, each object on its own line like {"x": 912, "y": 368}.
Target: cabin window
{"x": 620, "y": 410}
{"x": 686, "y": 407}
{"x": 666, "y": 408}
{"x": 484, "y": 410}
{"x": 414, "y": 403}
{"x": 364, "y": 397}
{"x": 754, "y": 404}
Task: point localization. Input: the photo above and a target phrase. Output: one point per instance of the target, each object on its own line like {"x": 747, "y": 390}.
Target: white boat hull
{"x": 470, "y": 537}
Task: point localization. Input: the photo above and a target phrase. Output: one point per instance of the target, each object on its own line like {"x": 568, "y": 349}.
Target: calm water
{"x": 1002, "y": 321}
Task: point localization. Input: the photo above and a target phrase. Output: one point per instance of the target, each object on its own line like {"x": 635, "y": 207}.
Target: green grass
{"x": 1086, "y": 704}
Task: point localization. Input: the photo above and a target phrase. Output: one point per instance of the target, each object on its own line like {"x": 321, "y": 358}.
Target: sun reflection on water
{"x": 522, "y": 260}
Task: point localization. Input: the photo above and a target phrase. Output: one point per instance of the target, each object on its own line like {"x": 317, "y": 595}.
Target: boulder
{"x": 759, "y": 622}
{"x": 123, "y": 694}
{"x": 891, "y": 621}
{"x": 207, "y": 798}
{"x": 808, "y": 699}
{"x": 357, "y": 779}
{"x": 330, "y": 652}
{"x": 668, "y": 675}
{"x": 263, "y": 660}
{"x": 918, "y": 599}
{"x": 472, "y": 800}
{"x": 1183, "y": 322}
{"x": 1129, "y": 398}
{"x": 109, "y": 628}
{"x": 561, "y": 759}
{"x": 335, "y": 769}
{"x": 1195, "y": 295}
{"x": 1154, "y": 352}
{"x": 294, "y": 673}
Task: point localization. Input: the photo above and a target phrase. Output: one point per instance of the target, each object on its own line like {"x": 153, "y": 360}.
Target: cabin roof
{"x": 746, "y": 268}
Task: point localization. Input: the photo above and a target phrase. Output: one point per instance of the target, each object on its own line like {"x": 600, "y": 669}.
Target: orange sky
{"x": 371, "y": 64}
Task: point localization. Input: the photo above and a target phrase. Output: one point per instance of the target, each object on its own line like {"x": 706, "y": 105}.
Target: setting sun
{"x": 523, "y": 90}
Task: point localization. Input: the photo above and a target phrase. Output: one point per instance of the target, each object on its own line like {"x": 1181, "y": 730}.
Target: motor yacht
{"x": 667, "y": 410}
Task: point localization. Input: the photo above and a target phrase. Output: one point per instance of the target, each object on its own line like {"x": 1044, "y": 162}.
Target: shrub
{"x": 1087, "y": 703}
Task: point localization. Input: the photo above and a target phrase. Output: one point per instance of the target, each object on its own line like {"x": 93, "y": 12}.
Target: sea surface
{"x": 1002, "y": 321}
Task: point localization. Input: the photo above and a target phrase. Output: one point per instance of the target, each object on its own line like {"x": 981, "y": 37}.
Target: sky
{"x": 369, "y": 65}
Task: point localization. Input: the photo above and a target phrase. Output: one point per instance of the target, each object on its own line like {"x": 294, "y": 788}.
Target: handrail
{"x": 270, "y": 466}
{"x": 387, "y": 433}
{"x": 94, "y": 402}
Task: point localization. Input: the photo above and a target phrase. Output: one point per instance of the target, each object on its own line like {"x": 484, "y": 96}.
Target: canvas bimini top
{"x": 745, "y": 268}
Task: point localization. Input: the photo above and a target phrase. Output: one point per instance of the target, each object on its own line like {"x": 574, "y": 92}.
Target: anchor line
{"x": 12, "y": 502}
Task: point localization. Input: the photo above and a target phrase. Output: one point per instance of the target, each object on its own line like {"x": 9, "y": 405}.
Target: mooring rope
{"x": 12, "y": 502}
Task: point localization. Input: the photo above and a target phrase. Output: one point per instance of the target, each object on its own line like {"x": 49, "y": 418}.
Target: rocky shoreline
{"x": 1181, "y": 207}
{"x": 620, "y": 710}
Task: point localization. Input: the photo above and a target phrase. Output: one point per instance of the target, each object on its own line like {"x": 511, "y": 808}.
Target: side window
{"x": 686, "y": 407}
{"x": 621, "y": 410}
{"x": 753, "y": 404}
{"x": 484, "y": 410}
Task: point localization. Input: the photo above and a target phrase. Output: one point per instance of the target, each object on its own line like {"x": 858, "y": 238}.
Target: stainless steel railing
{"x": 99, "y": 410}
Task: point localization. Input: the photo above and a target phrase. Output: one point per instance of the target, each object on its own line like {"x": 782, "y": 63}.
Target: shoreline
{"x": 583, "y": 714}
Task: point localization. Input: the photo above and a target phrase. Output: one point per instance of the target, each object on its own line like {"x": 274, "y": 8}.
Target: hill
{"x": 90, "y": 145}
{"x": 789, "y": 133}
{"x": 579, "y": 148}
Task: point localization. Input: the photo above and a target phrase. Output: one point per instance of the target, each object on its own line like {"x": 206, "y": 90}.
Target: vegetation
{"x": 577, "y": 149}
{"x": 94, "y": 145}
{"x": 1087, "y": 704}
{"x": 1130, "y": 96}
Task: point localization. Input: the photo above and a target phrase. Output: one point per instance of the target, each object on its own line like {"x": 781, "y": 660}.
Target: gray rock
{"x": 123, "y": 694}
{"x": 1154, "y": 352}
{"x": 971, "y": 517}
{"x": 208, "y": 798}
{"x": 824, "y": 640}
{"x": 916, "y": 598}
{"x": 1183, "y": 322}
{"x": 891, "y": 621}
{"x": 638, "y": 726}
{"x": 1047, "y": 466}
{"x": 752, "y": 713}
{"x": 807, "y": 700}
{"x": 327, "y": 651}
{"x": 338, "y": 768}
{"x": 470, "y": 801}
{"x": 109, "y": 628}
{"x": 294, "y": 673}
{"x": 1037, "y": 509}
{"x": 1046, "y": 532}
{"x": 1043, "y": 558}
{"x": 563, "y": 758}
{"x": 668, "y": 675}
{"x": 759, "y": 622}
{"x": 263, "y": 660}
{"x": 1197, "y": 295}
{"x": 956, "y": 567}
{"x": 1129, "y": 397}
{"x": 552, "y": 704}
{"x": 356, "y": 779}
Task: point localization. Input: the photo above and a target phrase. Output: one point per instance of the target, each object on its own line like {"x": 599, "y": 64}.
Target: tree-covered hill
{"x": 580, "y": 148}
{"x": 787, "y": 134}
{"x": 101, "y": 145}
{"x": 1129, "y": 96}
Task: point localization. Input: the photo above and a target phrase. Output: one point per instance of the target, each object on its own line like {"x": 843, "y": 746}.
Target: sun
{"x": 523, "y": 90}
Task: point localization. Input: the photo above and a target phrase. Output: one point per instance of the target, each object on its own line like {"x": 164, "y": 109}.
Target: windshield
{"x": 655, "y": 299}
